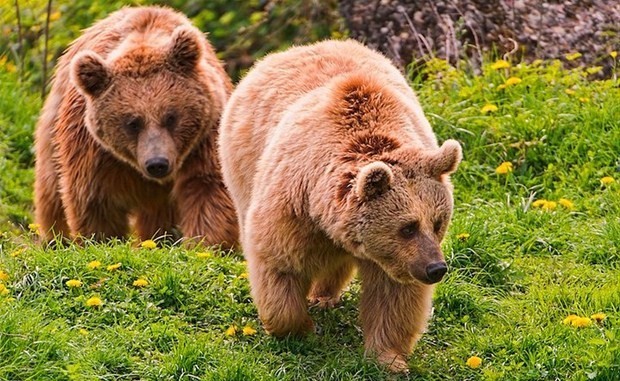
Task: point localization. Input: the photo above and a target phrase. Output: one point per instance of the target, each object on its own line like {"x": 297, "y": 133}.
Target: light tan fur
{"x": 139, "y": 85}
{"x": 332, "y": 166}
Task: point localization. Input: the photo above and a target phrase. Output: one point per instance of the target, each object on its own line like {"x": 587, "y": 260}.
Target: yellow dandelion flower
{"x": 73, "y": 283}
{"x": 570, "y": 91}
{"x": 149, "y": 244}
{"x": 613, "y": 54}
{"x": 568, "y": 204}
{"x": 34, "y": 227}
{"x": 501, "y": 87}
{"x": 83, "y": 332}
{"x": 94, "y": 302}
{"x": 607, "y": 180}
{"x": 462, "y": 236}
{"x": 115, "y": 266}
{"x": 539, "y": 203}
{"x": 248, "y": 331}
{"x": 243, "y": 276}
{"x": 140, "y": 282}
{"x": 512, "y": 81}
{"x": 3, "y": 276}
{"x": 18, "y": 252}
{"x": 488, "y": 108}
{"x": 549, "y": 205}
{"x": 500, "y": 64}
{"x": 55, "y": 16}
{"x": 3, "y": 290}
{"x": 581, "y": 322}
{"x": 204, "y": 254}
{"x": 231, "y": 331}
{"x": 569, "y": 319}
{"x": 572, "y": 56}
{"x": 598, "y": 317}
{"x": 93, "y": 265}
{"x": 474, "y": 362}
{"x": 594, "y": 69}
{"x": 584, "y": 100}
{"x": 504, "y": 168}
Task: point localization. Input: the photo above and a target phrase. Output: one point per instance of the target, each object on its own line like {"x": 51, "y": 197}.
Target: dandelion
{"x": 73, "y": 283}
{"x": 549, "y": 205}
{"x": 569, "y": 91}
{"x": 83, "y": 332}
{"x": 581, "y": 322}
{"x": 204, "y": 254}
{"x": 55, "y": 16}
{"x": 512, "y": 81}
{"x": 569, "y": 319}
{"x": 34, "y": 227}
{"x": 115, "y": 266}
{"x": 462, "y": 236}
{"x": 148, "y": 244}
{"x": 594, "y": 69}
{"x": 3, "y": 290}
{"x": 3, "y": 276}
{"x": 584, "y": 100}
{"x": 572, "y": 56}
{"x": 500, "y": 64}
{"x": 504, "y": 168}
{"x": 140, "y": 282}
{"x": 474, "y": 362}
{"x": 231, "y": 331}
{"x": 488, "y": 108}
{"x": 613, "y": 54}
{"x": 568, "y": 204}
{"x": 598, "y": 317}
{"x": 607, "y": 180}
{"x": 17, "y": 252}
{"x": 94, "y": 302}
{"x": 248, "y": 331}
{"x": 93, "y": 265}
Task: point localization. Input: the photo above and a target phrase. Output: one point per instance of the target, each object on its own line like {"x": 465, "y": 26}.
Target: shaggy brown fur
{"x": 129, "y": 129}
{"x": 333, "y": 166}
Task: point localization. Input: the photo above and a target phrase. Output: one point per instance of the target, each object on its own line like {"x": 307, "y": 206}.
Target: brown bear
{"x": 128, "y": 133}
{"x": 333, "y": 167}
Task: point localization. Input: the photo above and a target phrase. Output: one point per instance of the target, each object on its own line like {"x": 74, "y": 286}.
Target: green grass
{"x": 512, "y": 281}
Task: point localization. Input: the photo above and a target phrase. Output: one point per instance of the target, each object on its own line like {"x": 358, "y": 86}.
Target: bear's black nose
{"x": 435, "y": 271}
{"x": 158, "y": 167}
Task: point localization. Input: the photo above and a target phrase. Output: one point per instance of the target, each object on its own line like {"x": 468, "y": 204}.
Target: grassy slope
{"x": 515, "y": 278}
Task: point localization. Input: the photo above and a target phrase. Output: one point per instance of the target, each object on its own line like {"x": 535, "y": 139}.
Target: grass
{"x": 516, "y": 270}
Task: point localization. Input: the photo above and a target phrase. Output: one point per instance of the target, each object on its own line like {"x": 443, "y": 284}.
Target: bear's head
{"x": 148, "y": 105}
{"x": 400, "y": 207}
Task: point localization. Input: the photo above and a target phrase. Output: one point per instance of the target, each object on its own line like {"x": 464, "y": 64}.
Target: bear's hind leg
{"x": 280, "y": 299}
{"x": 393, "y": 315}
{"x": 327, "y": 289}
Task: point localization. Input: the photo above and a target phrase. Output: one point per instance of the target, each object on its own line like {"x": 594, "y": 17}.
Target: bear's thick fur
{"x": 333, "y": 167}
{"x": 128, "y": 132}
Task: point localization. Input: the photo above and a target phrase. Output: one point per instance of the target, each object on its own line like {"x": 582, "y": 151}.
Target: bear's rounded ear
{"x": 90, "y": 74}
{"x": 373, "y": 180}
{"x": 185, "y": 49}
{"x": 446, "y": 159}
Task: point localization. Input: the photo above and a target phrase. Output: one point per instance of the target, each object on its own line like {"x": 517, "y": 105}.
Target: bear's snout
{"x": 158, "y": 167}
{"x": 435, "y": 271}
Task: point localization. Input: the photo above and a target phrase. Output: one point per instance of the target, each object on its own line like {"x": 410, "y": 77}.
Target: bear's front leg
{"x": 327, "y": 288}
{"x": 97, "y": 219}
{"x": 393, "y": 315}
{"x": 280, "y": 298}
{"x": 206, "y": 212}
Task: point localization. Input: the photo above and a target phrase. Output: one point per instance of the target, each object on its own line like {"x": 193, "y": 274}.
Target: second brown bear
{"x": 129, "y": 129}
{"x": 333, "y": 166}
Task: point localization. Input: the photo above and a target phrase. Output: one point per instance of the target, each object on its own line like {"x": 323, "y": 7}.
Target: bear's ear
{"x": 446, "y": 159}
{"x": 185, "y": 49}
{"x": 373, "y": 180}
{"x": 90, "y": 74}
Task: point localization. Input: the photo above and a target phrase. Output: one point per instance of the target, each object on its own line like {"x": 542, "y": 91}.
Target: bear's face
{"x": 147, "y": 106}
{"x": 402, "y": 213}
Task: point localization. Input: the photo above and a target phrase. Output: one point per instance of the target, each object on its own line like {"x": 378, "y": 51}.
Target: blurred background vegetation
{"x": 241, "y": 31}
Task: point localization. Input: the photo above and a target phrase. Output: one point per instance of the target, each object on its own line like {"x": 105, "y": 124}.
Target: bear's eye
{"x": 134, "y": 124}
{"x": 170, "y": 119}
{"x": 437, "y": 226}
{"x": 409, "y": 230}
